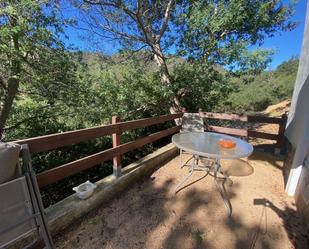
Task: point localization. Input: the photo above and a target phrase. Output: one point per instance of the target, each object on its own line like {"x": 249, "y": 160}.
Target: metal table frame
{"x": 213, "y": 168}
{"x": 22, "y": 210}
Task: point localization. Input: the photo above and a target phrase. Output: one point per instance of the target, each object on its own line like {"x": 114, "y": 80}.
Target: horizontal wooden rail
{"x": 243, "y": 132}
{"x": 244, "y": 118}
{"x": 49, "y": 176}
{"x": 223, "y": 116}
{"x": 229, "y": 131}
{"x": 257, "y": 134}
{"x": 262, "y": 119}
{"x": 134, "y": 124}
{"x": 54, "y": 141}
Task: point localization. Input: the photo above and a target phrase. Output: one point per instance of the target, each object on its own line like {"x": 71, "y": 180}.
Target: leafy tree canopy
{"x": 221, "y": 32}
{"x": 33, "y": 59}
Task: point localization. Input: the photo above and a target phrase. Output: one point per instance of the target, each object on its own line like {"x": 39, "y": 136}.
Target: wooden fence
{"x": 247, "y": 132}
{"x": 55, "y": 141}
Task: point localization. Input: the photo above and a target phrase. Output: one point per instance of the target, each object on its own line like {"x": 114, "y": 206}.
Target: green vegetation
{"x": 33, "y": 59}
{"x": 253, "y": 93}
{"x": 46, "y": 87}
{"x": 210, "y": 32}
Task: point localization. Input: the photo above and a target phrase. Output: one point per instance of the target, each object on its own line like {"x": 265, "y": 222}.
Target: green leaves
{"x": 32, "y": 54}
{"x": 130, "y": 90}
{"x": 204, "y": 85}
{"x": 253, "y": 93}
{"x": 222, "y": 32}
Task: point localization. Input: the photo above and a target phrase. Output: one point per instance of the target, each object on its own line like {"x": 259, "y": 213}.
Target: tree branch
{"x": 166, "y": 18}
{"x": 148, "y": 35}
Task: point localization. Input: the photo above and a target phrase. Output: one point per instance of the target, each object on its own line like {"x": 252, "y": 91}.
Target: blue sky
{"x": 287, "y": 44}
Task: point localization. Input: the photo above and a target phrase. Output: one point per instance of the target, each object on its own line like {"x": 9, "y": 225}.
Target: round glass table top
{"x": 206, "y": 144}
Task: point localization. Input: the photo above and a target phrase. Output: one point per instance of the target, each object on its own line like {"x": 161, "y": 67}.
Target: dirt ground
{"x": 278, "y": 109}
{"x": 150, "y": 215}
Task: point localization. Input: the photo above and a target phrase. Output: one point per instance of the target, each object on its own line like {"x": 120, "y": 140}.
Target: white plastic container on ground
{"x": 84, "y": 190}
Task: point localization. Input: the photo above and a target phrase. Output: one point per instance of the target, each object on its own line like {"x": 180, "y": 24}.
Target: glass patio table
{"x": 206, "y": 145}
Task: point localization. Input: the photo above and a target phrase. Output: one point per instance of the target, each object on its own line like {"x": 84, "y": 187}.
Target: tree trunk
{"x": 166, "y": 78}
{"x": 13, "y": 83}
{"x": 160, "y": 60}
{"x": 11, "y": 92}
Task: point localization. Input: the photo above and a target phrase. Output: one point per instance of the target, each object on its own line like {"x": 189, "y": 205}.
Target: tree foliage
{"x": 221, "y": 32}
{"x": 218, "y": 32}
{"x": 254, "y": 93}
{"x": 33, "y": 59}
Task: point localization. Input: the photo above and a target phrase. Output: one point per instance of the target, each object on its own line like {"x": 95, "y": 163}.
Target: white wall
{"x": 297, "y": 130}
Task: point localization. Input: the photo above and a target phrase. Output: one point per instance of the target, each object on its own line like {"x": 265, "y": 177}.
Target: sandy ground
{"x": 278, "y": 109}
{"x": 150, "y": 215}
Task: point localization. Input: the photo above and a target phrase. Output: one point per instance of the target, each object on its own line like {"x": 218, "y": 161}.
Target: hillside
{"x": 254, "y": 93}
{"x": 217, "y": 90}
{"x": 98, "y": 61}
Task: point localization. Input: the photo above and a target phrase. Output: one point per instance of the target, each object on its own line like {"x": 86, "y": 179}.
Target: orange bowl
{"x": 227, "y": 144}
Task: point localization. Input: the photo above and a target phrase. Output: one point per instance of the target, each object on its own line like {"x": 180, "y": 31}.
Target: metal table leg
{"x": 217, "y": 169}
{"x": 178, "y": 187}
{"x": 221, "y": 187}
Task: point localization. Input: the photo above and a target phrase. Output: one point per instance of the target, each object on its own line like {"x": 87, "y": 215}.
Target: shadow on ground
{"x": 150, "y": 215}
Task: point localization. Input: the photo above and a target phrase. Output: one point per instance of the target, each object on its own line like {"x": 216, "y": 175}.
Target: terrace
{"x": 150, "y": 215}
{"x": 136, "y": 207}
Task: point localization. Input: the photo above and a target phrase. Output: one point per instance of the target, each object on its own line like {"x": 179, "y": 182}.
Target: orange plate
{"x": 228, "y": 144}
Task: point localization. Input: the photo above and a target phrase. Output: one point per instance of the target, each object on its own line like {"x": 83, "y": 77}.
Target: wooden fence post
{"x": 116, "y": 142}
{"x": 281, "y": 140}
